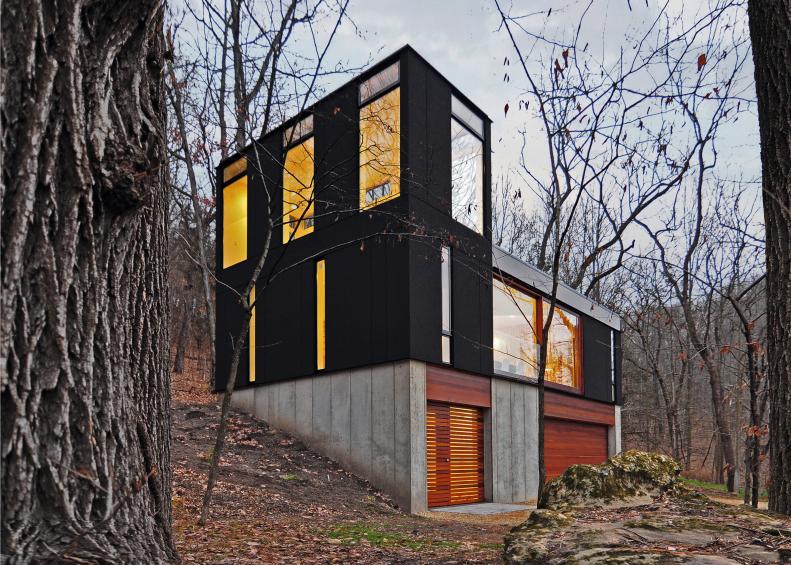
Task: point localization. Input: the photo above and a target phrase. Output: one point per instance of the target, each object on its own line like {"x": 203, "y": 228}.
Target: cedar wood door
{"x": 570, "y": 443}
{"x": 454, "y": 454}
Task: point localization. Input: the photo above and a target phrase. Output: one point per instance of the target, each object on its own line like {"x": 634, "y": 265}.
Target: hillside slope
{"x": 278, "y": 502}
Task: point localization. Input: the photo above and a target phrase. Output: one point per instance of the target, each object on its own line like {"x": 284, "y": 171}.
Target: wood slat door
{"x": 454, "y": 454}
{"x": 571, "y": 443}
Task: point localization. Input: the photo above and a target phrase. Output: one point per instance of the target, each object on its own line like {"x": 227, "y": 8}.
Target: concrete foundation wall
{"x": 614, "y": 435}
{"x": 371, "y": 420}
{"x": 514, "y": 441}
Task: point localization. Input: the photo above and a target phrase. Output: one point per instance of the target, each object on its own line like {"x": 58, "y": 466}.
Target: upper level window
{"x": 298, "y": 191}
{"x": 234, "y": 214}
{"x": 466, "y": 140}
{"x": 563, "y": 361}
{"x": 516, "y": 331}
{"x": 380, "y": 82}
{"x": 466, "y": 116}
{"x": 518, "y": 320}
{"x": 302, "y": 128}
{"x": 466, "y": 176}
{"x": 380, "y": 149}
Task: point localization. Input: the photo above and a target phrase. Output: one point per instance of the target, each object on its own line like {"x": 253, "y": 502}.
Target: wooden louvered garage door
{"x": 454, "y": 456}
{"x": 571, "y": 443}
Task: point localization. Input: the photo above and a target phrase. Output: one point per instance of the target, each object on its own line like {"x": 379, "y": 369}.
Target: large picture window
{"x": 298, "y": 195}
{"x": 380, "y": 149}
{"x": 518, "y": 320}
{"x": 515, "y": 331}
{"x": 234, "y": 215}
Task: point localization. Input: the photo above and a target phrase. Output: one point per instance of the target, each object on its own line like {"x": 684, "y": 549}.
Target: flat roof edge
{"x": 541, "y": 281}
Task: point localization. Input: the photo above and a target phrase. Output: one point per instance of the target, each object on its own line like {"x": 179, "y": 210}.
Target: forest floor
{"x": 278, "y": 502}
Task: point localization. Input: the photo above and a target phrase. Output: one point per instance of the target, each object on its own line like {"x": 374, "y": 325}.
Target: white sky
{"x": 461, "y": 40}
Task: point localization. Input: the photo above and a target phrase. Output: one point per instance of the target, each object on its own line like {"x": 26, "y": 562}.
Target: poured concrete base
{"x": 484, "y": 508}
{"x": 371, "y": 420}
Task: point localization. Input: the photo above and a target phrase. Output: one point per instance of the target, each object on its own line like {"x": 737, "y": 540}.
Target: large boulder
{"x": 625, "y": 479}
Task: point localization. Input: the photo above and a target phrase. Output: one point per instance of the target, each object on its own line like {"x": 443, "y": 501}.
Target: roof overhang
{"x": 542, "y": 282}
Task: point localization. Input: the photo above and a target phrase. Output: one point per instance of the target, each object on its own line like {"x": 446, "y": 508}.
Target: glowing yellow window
{"x": 380, "y": 149}
{"x": 234, "y": 223}
{"x": 321, "y": 310}
{"x": 563, "y": 353}
{"x": 251, "y": 334}
{"x": 298, "y": 191}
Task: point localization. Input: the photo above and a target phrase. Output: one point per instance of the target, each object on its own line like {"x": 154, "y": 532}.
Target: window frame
{"x": 509, "y": 280}
{"x": 294, "y": 233}
{"x": 467, "y": 128}
{"x": 320, "y": 270}
{"x": 379, "y": 93}
{"x": 360, "y": 105}
{"x": 446, "y": 267}
{"x": 226, "y": 182}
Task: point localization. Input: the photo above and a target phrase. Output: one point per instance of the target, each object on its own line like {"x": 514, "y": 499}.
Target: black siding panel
{"x": 596, "y": 360}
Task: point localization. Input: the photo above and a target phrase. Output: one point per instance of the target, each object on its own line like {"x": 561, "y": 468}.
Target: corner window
{"x": 298, "y": 191}
{"x": 563, "y": 351}
{"x": 380, "y": 149}
{"x": 516, "y": 331}
{"x": 234, "y": 214}
{"x": 466, "y": 141}
{"x": 446, "y": 303}
{"x": 518, "y": 321}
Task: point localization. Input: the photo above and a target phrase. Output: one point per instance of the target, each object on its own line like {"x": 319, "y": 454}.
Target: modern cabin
{"x": 388, "y": 332}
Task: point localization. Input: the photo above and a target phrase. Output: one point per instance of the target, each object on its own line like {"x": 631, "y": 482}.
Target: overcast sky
{"x": 461, "y": 39}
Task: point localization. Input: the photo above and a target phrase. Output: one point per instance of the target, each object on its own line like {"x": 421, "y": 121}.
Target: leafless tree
{"x": 616, "y": 135}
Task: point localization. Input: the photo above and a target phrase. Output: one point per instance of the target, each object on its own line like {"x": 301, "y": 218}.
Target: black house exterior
{"x": 387, "y": 328}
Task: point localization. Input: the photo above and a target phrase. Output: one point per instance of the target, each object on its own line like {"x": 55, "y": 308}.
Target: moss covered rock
{"x": 622, "y": 478}
{"x": 526, "y": 542}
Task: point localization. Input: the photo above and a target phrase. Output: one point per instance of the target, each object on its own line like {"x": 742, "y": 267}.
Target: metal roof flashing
{"x": 541, "y": 281}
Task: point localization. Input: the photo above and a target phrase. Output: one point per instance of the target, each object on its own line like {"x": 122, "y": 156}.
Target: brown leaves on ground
{"x": 278, "y": 502}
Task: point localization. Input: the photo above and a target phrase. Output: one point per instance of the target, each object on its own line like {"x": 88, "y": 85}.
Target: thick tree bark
{"x": 770, "y": 30}
{"x": 84, "y": 344}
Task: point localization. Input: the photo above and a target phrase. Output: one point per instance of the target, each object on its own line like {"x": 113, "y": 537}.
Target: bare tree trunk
{"x": 177, "y": 103}
{"x": 770, "y": 30}
{"x": 84, "y": 345}
{"x": 181, "y": 342}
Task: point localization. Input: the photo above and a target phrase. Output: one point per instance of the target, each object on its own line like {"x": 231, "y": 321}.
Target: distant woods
{"x": 622, "y": 178}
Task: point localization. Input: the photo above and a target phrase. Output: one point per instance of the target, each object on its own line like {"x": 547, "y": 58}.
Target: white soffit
{"x": 542, "y": 282}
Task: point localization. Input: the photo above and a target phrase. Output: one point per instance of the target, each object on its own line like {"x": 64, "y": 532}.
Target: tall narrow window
{"x": 234, "y": 214}
{"x": 321, "y": 310}
{"x": 563, "y": 350}
{"x": 298, "y": 193}
{"x": 251, "y": 336}
{"x": 466, "y": 171}
{"x": 516, "y": 331}
{"x": 380, "y": 149}
{"x": 446, "y": 303}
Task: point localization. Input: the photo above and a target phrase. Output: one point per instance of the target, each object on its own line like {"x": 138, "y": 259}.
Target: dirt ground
{"x": 278, "y": 502}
